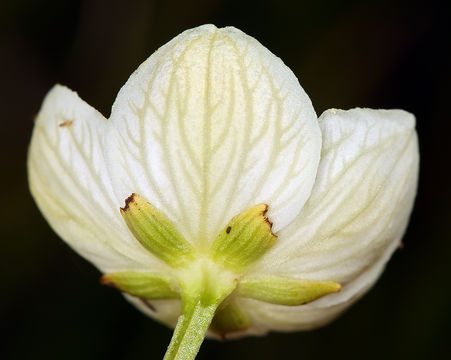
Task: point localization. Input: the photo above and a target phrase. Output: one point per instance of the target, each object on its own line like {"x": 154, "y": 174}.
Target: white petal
{"x": 165, "y": 311}
{"x": 359, "y": 206}
{"x": 212, "y": 124}
{"x": 265, "y": 317}
{"x": 71, "y": 186}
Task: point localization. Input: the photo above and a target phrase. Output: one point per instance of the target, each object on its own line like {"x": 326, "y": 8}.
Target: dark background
{"x": 382, "y": 54}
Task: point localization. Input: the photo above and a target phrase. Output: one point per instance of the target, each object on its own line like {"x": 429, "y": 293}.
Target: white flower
{"x": 209, "y": 126}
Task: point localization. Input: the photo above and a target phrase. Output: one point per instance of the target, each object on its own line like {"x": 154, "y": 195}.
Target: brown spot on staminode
{"x": 228, "y": 229}
{"x": 105, "y": 280}
{"x": 129, "y": 200}
{"x": 66, "y": 123}
{"x": 269, "y": 222}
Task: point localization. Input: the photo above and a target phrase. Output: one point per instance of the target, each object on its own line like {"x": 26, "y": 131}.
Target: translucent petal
{"x": 210, "y": 125}
{"x": 71, "y": 186}
{"x": 165, "y": 311}
{"x": 359, "y": 206}
{"x": 265, "y": 316}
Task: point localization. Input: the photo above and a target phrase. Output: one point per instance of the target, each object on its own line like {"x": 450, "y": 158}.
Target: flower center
{"x": 211, "y": 281}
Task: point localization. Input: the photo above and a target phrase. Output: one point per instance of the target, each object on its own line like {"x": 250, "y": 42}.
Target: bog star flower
{"x": 213, "y": 196}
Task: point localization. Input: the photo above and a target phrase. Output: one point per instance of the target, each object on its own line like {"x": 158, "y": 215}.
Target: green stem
{"x": 190, "y": 331}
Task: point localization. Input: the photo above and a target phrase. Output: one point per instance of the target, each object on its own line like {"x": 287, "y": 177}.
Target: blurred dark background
{"x": 381, "y": 54}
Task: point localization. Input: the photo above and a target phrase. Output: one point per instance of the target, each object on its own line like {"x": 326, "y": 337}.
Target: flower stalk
{"x": 203, "y": 293}
{"x": 190, "y": 331}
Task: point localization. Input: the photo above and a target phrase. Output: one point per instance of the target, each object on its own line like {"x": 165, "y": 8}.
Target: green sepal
{"x": 145, "y": 285}
{"x": 229, "y": 319}
{"x": 156, "y": 232}
{"x": 245, "y": 239}
{"x": 283, "y": 290}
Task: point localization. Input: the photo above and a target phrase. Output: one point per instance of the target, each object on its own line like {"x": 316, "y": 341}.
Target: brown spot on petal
{"x": 228, "y": 229}
{"x": 66, "y": 123}
{"x": 148, "y": 304}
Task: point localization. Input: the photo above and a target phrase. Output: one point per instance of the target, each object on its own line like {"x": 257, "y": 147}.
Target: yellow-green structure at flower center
{"x": 208, "y": 281}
